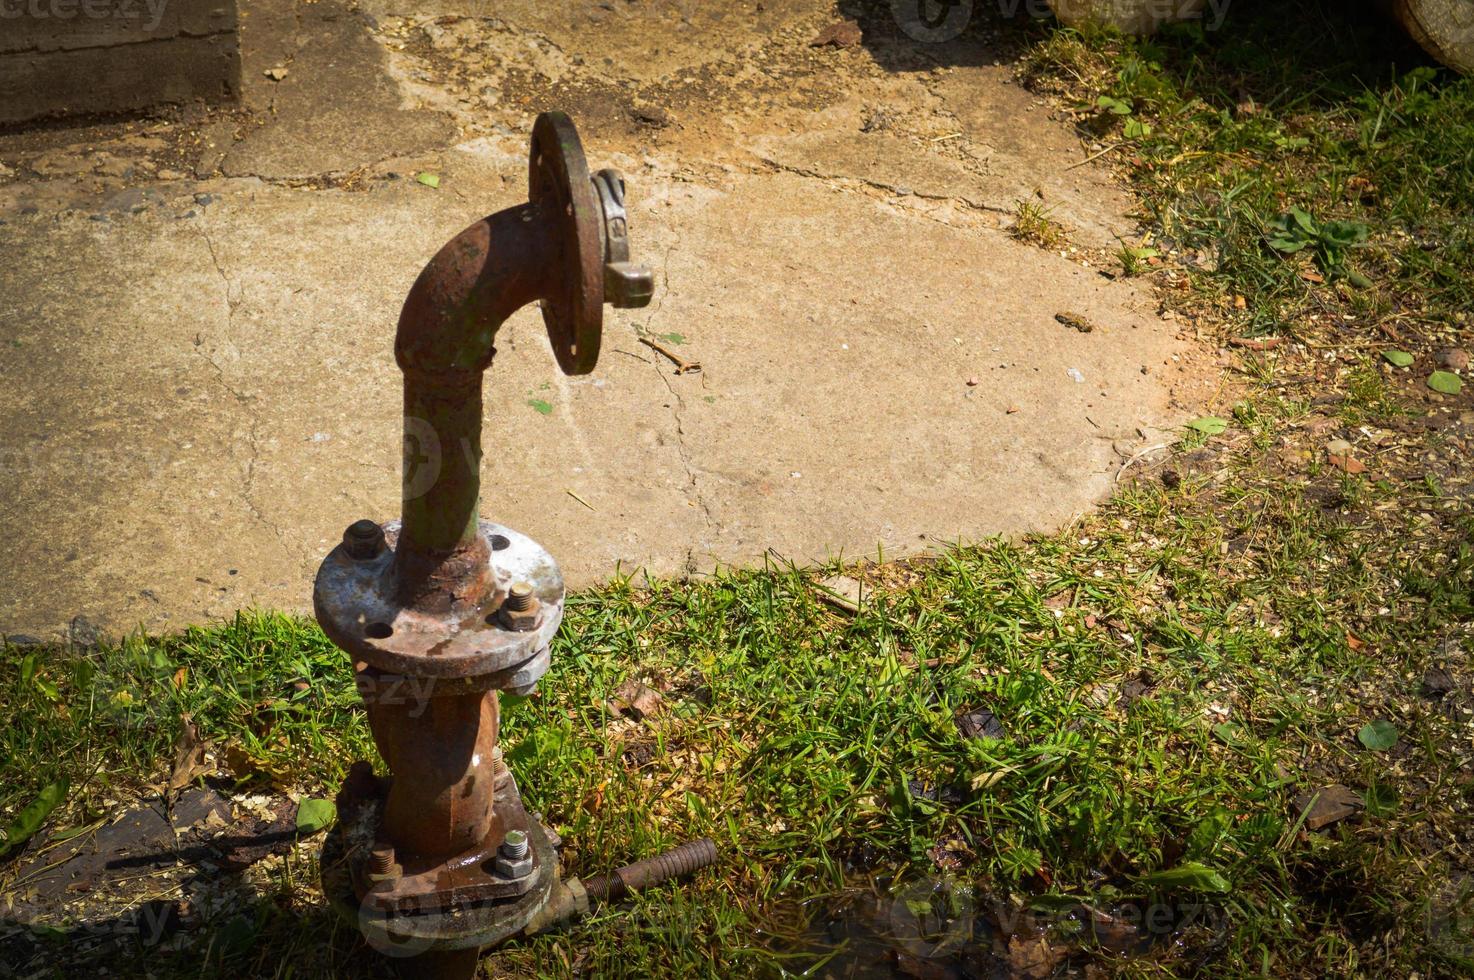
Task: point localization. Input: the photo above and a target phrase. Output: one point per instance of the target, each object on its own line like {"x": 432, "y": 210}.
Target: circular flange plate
{"x": 474, "y": 926}
{"x": 356, "y": 605}
{"x": 559, "y": 184}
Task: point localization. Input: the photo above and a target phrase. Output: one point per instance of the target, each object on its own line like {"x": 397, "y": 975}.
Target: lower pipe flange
{"x": 502, "y": 865}
{"x": 466, "y": 926}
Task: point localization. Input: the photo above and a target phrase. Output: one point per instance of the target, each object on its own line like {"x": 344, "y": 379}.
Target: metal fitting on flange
{"x": 626, "y": 285}
{"x": 521, "y": 610}
{"x": 363, "y": 540}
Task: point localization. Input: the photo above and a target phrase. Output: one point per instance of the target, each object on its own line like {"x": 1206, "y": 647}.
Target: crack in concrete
{"x": 247, "y": 402}
{"x": 680, "y": 402}
{"x": 841, "y": 180}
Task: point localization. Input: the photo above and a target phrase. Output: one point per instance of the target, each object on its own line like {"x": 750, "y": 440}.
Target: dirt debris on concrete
{"x": 199, "y": 386}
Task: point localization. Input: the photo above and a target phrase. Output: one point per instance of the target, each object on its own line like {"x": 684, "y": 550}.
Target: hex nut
{"x": 513, "y": 867}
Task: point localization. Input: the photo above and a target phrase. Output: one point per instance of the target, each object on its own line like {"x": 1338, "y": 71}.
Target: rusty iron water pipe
{"x": 441, "y": 610}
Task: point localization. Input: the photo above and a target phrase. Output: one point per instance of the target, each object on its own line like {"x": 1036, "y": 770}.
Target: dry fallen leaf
{"x": 1328, "y": 805}
{"x": 1033, "y": 959}
{"x": 1347, "y": 464}
{"x": 275, "y": 74}
{"x": 189, "y": 758}
{"x": 635, "y": 700}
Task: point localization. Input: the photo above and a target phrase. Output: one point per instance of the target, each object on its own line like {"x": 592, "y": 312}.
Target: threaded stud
{"x": 519, "y": 599}
{"x": 381, "y": 861}
{"x": 363, "y": 540}
{"x": 514, "y": 845}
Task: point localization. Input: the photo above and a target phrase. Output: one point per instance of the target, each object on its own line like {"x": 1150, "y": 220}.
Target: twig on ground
{"x": 682, "y": 366}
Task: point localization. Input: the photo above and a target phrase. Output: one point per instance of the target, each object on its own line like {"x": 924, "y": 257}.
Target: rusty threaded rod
{"x": 674, "y": 863}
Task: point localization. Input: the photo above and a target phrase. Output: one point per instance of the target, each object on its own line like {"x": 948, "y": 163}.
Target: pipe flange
{"x": 355, "y": 601}
{"x": 467, "y": 927}
{"x": 559, "y": 186}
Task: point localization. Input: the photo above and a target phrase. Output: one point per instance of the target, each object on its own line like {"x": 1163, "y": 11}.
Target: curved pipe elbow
{"x": 447, "y": 327}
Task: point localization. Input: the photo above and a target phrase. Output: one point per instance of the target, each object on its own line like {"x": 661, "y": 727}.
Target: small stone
{"x": 973, "y": 382}
{"x": 1338, "y": 447}
{"x": 1452, "y": 359}
{"x": 840, "y": 34}
{"x": 6, "y": 172}
{"x": 167, "y": 174}
{"x": 1013, "y": 410}
{"x": 204, "y": 200}
{"x": 82, "y": 632}
{"x": 23, "y": 640}
{"x": 651, "y": 115}
{"x": 275, "y": 74}
{"x": 980, "y": 723}
{"x": 1437, "y": 682}
{"x": 877, "y": 119}
{"x": 111, "y": 166}
{"x": 1171, "y": 479}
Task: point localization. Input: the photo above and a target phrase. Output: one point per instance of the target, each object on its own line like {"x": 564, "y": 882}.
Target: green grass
{"x": 1169, "y": 673}
{"x": 808, "y": 742}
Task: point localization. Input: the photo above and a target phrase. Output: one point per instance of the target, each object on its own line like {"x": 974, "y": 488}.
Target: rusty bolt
{"x": 521, "y": 611}
{"x": 382, "y": 866}
{"x": 363, "y": 540}
{"x": 499, "y": 770}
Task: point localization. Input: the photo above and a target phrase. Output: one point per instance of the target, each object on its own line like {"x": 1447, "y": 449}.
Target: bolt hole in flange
{"x": 500, "y": 542}
{"x": 379, "y": 631}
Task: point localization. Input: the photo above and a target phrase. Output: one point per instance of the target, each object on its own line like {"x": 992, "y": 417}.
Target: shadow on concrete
{"x": 1250, "y": 48}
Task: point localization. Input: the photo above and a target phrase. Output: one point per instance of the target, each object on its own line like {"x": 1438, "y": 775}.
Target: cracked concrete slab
{"x": 198, "y": 384}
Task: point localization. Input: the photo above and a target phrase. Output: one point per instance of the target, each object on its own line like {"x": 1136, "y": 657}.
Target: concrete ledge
{"x": 56, "y": 25}
{"x": 61, "y": 57}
